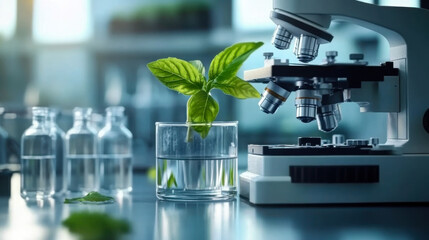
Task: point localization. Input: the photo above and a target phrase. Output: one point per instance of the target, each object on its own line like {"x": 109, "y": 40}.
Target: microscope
{"x": 353, "y": 170}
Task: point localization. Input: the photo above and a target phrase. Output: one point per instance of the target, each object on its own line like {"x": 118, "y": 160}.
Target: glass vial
{"x": 38, "y": 158}
{"x": 82, "y": 174}
{"x": 115, "y": 148}
{"x": 60, "y": 169}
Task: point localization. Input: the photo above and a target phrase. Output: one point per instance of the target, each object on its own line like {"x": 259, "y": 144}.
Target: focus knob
{"x": 338, "y": 139}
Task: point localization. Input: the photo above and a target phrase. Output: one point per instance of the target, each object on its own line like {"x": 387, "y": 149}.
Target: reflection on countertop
{"x": 237, "y": 219}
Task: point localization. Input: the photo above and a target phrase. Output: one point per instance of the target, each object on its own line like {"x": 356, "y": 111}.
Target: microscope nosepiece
{"x": 306, "y": 102}
{"x": 281, "y": 38}
{"x": 272, "y": 98}
{"x": 306, "y": 48}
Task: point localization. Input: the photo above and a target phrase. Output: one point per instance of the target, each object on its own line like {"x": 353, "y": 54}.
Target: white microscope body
{"x": 355, "y": 171}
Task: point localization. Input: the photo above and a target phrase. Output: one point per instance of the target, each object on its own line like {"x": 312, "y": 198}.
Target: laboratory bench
{"x": 237, "y": 219}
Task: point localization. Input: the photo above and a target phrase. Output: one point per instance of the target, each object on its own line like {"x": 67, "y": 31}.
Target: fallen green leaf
{"x": 96, "y": 226}
{"x": 92, "y": 197}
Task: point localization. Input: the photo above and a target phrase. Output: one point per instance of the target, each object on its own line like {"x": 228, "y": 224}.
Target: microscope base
{"x": 336, "y": 179}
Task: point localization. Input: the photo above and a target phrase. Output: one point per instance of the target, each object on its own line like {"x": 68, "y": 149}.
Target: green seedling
{"x": 231, "y": 176}
{"x": 189, "y": 78}
{"x": 171, "y": 181}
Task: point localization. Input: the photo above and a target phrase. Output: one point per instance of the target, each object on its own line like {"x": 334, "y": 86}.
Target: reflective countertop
{"x": 237, "y": 219}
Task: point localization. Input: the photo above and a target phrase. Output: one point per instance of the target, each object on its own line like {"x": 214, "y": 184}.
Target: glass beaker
{"x": 190, "y": 167}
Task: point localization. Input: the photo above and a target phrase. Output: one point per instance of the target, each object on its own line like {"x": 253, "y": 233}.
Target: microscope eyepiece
{"x": 272, "y": 98}
{"x": 306, "y": 48}
{"x": 306, "y": 102}
{"x": 281, "y": 38}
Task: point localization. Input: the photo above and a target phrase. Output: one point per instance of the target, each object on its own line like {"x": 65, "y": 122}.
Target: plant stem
{"x": 188, "y": 134}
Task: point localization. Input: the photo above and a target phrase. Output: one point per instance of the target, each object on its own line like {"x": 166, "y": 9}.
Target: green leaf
{"x": 199, "y": 66}
{"x": 226, "y": 64}
{"x": 96, "y": 225}
{"x": 92, "y": 197}
{"x": 151, "y": 174}
{"x": 171, "y": 181}
{"x": 202, "y": 108}
{"x": 231, "y": 176}
{"x": 178, "y": 75}
{"x": 164, "y": 166}
{"x": 238, "y": 88}
{"x": 223, "y": 177}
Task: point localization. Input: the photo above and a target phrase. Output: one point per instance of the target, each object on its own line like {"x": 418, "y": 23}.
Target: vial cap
{"x": 82, "y": 113}
{"x": 39, "y": 111}
{"x": 117, "y": 111}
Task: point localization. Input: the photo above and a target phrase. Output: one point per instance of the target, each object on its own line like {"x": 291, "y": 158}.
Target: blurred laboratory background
{"x": 82, "y": 53}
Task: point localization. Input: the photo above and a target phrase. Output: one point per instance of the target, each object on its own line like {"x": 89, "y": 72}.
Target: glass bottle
{"x": 60, "y": 169}
{"x": 115, "y": 148}
{"x": 38, "y": 158}
{"x": 82, "y": 174}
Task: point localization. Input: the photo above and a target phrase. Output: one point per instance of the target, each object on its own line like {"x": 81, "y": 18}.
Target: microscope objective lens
{"x": 281, "y": 38}
{"x": 272, "y": 98}
{"x": 327, "y": 120}
{"x": 306, "y": 102}
{"x": 306, "y": 48}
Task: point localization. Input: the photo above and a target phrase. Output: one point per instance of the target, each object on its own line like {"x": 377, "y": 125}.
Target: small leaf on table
{"x": 91, "y": 198}
{"x": 96, "y": 226}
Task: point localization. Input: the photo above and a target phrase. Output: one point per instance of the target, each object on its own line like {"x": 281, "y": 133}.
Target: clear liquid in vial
{"x": 82, "y": 174}
{"x": 37, "y": 177}
{"x": 116, "y": 173}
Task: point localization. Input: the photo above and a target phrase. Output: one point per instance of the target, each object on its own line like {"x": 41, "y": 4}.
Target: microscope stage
{"x": 354, "y": 74}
